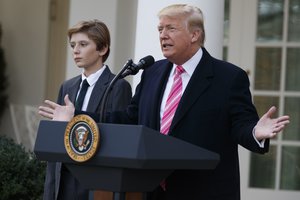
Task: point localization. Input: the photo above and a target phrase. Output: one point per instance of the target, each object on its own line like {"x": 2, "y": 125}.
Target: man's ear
{"x": 196, "y": 34}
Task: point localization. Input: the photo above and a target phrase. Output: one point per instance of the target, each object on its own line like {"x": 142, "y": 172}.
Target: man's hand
{"x": 267, "y": 127}
{"x": 54, "y": 111}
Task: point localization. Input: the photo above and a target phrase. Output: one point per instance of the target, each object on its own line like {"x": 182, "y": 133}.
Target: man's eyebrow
{"x": 167, "y": 26}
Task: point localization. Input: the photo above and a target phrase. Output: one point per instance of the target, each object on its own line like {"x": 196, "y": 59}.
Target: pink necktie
{"x": 172, "y": 101}
{"x": 171, "y": 106}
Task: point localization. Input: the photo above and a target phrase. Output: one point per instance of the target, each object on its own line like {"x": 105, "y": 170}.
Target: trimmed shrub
{"x": 21, "y": 174}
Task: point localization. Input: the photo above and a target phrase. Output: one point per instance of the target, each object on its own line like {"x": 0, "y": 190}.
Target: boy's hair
{"x": 97, "y": 31}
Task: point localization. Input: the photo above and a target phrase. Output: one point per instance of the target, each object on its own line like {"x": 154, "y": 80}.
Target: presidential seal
{"x": 81, "y": 138}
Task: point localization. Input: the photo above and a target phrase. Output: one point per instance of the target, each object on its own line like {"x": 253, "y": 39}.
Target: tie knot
{"x": 85, "y": 84}
{"x": 179, "y": 70}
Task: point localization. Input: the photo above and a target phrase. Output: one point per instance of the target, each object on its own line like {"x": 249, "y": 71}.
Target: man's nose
{"x": 163, "y": 33}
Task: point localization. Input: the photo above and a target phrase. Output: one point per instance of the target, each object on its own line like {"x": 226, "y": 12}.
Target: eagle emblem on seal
{"x": 81, "y": 137}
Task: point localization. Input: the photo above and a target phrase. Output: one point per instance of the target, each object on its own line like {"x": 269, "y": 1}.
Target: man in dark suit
{"x": 199, "y": 99}
{"x": 90, "y": 43}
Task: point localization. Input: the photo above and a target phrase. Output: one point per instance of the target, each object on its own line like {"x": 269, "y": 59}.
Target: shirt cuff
{"x": 261, "y": 143}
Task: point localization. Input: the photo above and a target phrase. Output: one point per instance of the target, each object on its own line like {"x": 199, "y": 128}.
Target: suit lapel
{"x": 72, "y": 91}
{"x": 99, "y": 90}
{"x": 199, "y": 82}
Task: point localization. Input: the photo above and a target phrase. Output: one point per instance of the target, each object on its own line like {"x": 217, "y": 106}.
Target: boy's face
{"x": 84, "y": 51}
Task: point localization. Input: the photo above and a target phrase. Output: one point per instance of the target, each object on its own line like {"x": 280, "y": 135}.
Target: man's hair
{"x": 192, "y": 14}
{"x": 97, "y": 31}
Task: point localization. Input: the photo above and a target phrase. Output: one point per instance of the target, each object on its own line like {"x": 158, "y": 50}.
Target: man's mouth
{"x": 166, "y": 45}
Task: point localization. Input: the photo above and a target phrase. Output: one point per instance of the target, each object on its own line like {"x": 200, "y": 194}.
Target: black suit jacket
{"x": 119, "y": 98}
{"x": 215, "y": 112}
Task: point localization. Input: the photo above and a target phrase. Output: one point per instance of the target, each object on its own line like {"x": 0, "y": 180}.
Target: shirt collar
{"x": 190, "y": 65}
{"x": 92, "y": 79}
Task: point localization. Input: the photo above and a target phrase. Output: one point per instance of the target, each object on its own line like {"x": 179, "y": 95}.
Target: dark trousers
{"x": 70, "y": 188}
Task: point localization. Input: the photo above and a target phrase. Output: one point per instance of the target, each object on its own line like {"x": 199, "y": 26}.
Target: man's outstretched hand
{"x": 268, "y": 127}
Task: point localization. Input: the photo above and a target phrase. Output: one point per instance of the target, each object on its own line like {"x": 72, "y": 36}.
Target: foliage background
{"x": 21, "y": 174}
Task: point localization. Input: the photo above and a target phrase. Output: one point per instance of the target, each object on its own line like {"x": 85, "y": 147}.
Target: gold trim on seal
{"x": 81, "y": 138}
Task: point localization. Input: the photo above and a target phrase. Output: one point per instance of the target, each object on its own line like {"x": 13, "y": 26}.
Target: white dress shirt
{"x": 92, "y": 79}
{"x": 189, "y": 68}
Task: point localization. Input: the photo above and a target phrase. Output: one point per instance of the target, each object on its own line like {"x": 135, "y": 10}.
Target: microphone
{"x": 129, "y": 68}
{"x": 133, "y": 69}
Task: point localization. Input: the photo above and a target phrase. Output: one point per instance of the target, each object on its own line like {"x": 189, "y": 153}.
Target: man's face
{"x": 84, "y": 51}
{"x": 175, "y": 39}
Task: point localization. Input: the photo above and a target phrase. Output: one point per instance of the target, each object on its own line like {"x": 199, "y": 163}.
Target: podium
{"x": 130, "y": 158}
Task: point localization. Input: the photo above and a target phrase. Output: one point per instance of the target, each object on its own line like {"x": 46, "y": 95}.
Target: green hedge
{"x": 21, "y": 174}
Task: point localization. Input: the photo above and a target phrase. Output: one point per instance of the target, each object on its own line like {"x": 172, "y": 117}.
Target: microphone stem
{"x": 108, "y": 90}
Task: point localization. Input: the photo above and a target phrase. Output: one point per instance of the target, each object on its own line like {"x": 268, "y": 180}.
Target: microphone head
{"x": 133, "y": 69}
{"x": 146, "y": 62}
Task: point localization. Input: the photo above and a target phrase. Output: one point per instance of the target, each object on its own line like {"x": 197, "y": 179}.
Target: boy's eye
{"x": 79, "y": 44}
{"x": 83, "y": 44}
{"x": 72, "y": 45}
